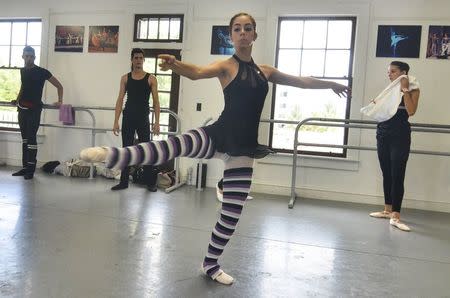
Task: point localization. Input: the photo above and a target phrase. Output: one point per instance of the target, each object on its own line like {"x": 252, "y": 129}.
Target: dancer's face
{"x": 28, "y": 58}
{"x": 137, "y": 61}
{"x": 243, "y": 32}
{"x": 394, "y": 72}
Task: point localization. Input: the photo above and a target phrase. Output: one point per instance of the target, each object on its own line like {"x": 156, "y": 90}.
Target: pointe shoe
{"x": 94, "y": 154}
{"x": 220, "y": 277}
{"x": 224, "y": 278}
{"x": 381, "y": 214}
{"x": 399, "y": 225}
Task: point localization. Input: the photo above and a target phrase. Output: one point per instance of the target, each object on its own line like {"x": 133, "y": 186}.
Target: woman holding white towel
{"x": 393, "y": 146}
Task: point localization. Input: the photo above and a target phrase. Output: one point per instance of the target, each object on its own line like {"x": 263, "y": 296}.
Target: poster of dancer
{"x": 69, "y": 39}
{"x": 438, "y": 46}
{"x": 398, "y": 41}
{"x": 103, "y": 39}
{"x": 221, "y": 41}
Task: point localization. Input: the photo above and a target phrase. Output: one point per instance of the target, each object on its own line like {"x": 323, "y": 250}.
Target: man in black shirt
{"x": 29, "y": 106}
{"x": 137, "y": 85}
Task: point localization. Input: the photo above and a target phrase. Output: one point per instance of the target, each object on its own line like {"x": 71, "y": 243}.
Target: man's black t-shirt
{"x": 33, "y": 80}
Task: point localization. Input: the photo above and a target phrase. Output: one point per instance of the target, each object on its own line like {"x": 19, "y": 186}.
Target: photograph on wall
{"x": 69, "y": 39}
{"x": 103, "y": 39}
{"x": 398, "y": 41}
{"x": 438, "y": 46}
{"x": 221, "y": 41}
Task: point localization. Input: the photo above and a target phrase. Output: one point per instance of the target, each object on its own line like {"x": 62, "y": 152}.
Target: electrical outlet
{"x": 199, "y": 106}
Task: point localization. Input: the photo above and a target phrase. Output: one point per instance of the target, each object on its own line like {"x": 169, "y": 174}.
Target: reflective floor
{"x": 73, "y": 237}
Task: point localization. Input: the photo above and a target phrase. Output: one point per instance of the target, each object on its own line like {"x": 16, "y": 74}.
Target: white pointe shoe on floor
{"x": 94, "y": 154}
{"x": 224, "y": 279}
{"x": 399, "y": 225}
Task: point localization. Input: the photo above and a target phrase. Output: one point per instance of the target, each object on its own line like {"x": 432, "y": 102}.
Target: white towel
{"x": 385, "y": 105}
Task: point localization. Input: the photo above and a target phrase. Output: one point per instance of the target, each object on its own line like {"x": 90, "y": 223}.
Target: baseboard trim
{"x": 370, "y": 199}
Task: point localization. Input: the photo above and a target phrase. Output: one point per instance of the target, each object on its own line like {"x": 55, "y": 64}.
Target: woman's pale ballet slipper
{"x": 220, "y": 276}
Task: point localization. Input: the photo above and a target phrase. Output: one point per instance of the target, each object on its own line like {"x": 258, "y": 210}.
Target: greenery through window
{"x": 168, "y": 87}
{"x": 15, "y": 34}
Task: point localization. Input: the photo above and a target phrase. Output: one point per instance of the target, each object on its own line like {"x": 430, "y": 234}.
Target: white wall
{"x": 93, "y": 79}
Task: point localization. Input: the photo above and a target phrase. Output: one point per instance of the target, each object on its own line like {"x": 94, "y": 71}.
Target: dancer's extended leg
{"x": 195, "y": 143}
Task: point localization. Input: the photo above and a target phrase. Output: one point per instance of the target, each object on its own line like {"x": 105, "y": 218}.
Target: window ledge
{"x": 15, "y": 137}
{"x": 311, "y": 161}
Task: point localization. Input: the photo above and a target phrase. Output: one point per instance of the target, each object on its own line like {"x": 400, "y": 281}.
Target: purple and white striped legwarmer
{"x": 195, "y": 143}
{"x": 236, "y": 186}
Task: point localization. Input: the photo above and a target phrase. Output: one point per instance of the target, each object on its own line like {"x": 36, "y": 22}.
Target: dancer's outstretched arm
{"x": 192, "y": 71}
{"x": 278, "y": 77}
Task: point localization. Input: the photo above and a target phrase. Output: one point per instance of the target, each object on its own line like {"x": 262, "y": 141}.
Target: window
{"x": 158, "y": 28}
{"x": 14, "y": 36}
{"x": 320, "y": 47}
{"x": 168, "y": 87}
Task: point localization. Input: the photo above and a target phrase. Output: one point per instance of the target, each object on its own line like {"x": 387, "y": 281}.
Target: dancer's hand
{"x": 166, "y": 61}
{"x": 341, "y": 90}
{"x": 57, "y": 103}
{"x": 155, "y": 129}
{"x": 404, "y": 84}
{"x": 116, "y": 128}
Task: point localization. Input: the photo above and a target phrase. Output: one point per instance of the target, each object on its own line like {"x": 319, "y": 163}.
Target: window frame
{"x": 137, "y": 17}
{"x": 353, "y": 19}
{"x": 175, "y": 81}
{"x": 10, "y": 45}
{"x": 22, "y": 20}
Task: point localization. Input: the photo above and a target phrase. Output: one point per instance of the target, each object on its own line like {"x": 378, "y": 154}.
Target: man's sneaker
{"x": 21, "y": 172}
{"x": 152, "y": 188}
{"x": 399, "y": 225}
{"x": 119, "y": 186}
{"x": 28, "y": 176}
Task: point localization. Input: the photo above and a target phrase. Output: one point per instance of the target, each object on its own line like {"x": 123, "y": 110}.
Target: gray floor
{"x": 69, "y": 237}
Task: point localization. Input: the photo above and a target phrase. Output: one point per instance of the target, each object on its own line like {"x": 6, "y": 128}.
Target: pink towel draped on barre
{"x": 66, "y": 114}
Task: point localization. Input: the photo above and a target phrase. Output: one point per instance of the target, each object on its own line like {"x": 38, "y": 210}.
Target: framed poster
{"x": 438, "y": 46}
{"x": 221, "y": 41}
{"x": 398, "y": 41}
{"x": 69, "y": 39}
{"x": 103, "y": 39}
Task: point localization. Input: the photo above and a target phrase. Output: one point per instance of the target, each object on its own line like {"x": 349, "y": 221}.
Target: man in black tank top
{"x": 138, "y": 85}
{"x": 29, "y": 105}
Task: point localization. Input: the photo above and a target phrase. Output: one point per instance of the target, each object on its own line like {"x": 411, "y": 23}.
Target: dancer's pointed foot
{"x": 224, "y": 278}
{"x": 218, "y": 275}
{"x": 94, "y": 154}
